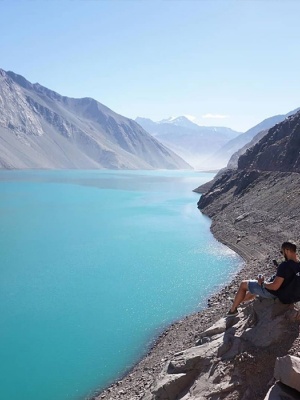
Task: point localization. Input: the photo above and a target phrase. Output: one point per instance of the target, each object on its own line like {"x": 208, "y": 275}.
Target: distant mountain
{"x": 182, "y": 121}
{"x": 39, "y": 128}
{"x": 231, "y": 151}
{"x": 192, "y": 142}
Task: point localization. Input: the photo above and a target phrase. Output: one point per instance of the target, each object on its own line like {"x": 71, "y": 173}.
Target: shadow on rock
{"x": 233, "y": 358}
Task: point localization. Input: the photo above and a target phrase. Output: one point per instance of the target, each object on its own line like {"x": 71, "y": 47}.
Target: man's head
{"x": 288, "y": 250}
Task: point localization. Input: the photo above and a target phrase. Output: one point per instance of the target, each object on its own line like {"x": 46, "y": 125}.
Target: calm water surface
{"x": 93, "y": 265}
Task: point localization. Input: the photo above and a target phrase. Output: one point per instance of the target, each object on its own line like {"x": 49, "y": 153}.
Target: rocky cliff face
{"x": 233, "y": 161}
{"x": 231, "y": 151}
{"x": 231, "y": 358}
{"x": 39, "y": 128}
{"x": 264, "y": 189}
{"x": 278, "y": 150}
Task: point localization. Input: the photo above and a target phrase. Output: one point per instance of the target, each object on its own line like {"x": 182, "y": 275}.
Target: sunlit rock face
{"x": 39, "y": 128}
{"x": 231, "y": 151}
{"x": 16, "y": 113}
{"x": 278, "y": 150}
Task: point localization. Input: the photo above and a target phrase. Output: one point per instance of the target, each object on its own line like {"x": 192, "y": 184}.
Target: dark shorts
{"x": 255, "y": 288}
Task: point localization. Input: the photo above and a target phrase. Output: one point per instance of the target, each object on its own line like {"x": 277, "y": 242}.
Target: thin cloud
{"x": 214, "y": 116}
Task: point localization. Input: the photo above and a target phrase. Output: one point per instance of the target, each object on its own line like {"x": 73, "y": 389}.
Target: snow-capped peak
{"x": 167, "y": 120}
{"x": 187, "y": 121}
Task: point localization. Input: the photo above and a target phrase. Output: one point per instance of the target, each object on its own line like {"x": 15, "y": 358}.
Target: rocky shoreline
{"x": 178, "y": 336}
{"x": 254, "y": 227}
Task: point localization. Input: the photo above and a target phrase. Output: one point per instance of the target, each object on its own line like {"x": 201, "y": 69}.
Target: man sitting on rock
{"x": 282, "y": 287}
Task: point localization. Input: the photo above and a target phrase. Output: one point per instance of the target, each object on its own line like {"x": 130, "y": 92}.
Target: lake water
{"x": 94, "y": 264}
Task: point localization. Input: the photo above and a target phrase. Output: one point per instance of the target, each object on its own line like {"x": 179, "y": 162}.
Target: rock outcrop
{"x": 279, "y": 391}
{"x": 287, "y": 371}
{"x": 231, "y": 358}
{"x": 287, "y": 375}
{"x": 231, "y": 151}
{"x": 278, "y": 150}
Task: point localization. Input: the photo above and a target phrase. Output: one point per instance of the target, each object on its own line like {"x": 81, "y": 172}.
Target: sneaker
{"x": 232, "y": 313}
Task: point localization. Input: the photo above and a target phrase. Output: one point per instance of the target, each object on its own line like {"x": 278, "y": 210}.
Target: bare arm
{"x": 275, "y": 285}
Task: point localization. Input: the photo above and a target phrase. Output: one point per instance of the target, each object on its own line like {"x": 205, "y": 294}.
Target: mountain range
{"x": 39, "y": 128}
{"x": 229, "y": 154}
{"x": 208, "y": 147}
{"x": 192, "y": 142}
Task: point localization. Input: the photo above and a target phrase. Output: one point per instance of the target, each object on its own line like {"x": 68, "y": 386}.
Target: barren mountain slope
{"x": 41, "y": 129}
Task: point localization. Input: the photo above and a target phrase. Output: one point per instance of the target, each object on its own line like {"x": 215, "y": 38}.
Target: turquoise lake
{"x": 94, "y": 264}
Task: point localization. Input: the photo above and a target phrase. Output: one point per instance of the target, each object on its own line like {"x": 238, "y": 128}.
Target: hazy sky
{"x": 229, "y": 63}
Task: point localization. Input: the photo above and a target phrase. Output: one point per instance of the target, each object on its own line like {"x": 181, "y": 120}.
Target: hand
{"x": 260, "y": 279}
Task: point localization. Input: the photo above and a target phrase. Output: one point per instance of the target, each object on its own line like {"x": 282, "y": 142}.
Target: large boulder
{"x": 279, "y": 391}
{"x": 231, "y": 356}
{"x": 287, "y": 371}
{"x": 269, "y": 322}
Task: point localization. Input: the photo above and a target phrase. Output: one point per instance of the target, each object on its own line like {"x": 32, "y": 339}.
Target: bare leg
{"x": 240, "y": 295}
{"x": 249, "y": 296}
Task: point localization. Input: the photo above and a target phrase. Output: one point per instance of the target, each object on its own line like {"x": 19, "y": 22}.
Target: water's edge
{"x": 185, "y": 323}
{"x": 32, "y": 205}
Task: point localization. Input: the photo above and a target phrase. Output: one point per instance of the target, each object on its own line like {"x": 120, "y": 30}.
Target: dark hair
{"x": 289, "y": 245}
